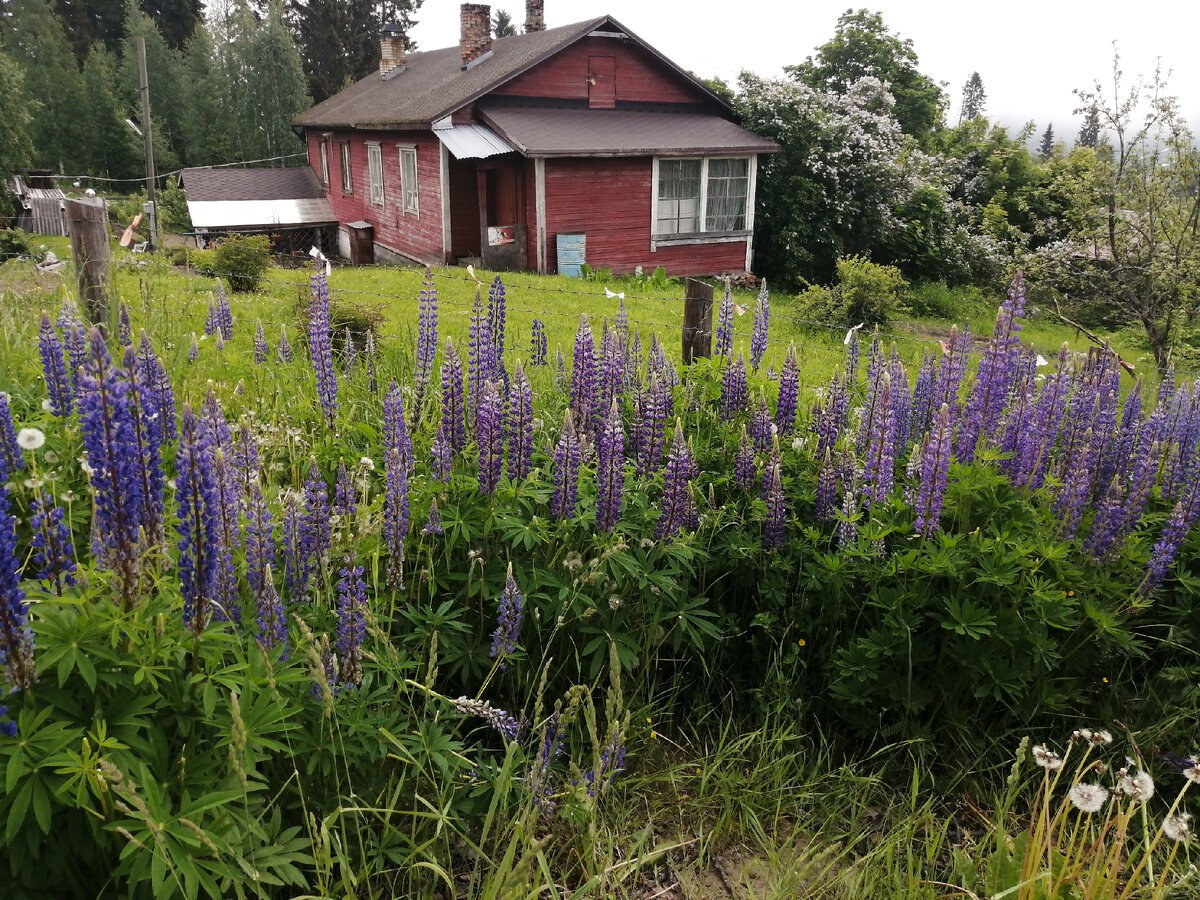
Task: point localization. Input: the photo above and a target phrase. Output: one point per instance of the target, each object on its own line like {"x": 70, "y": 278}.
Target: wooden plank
{"x": 697, "y": 320}
{"x": 87, "y": 220}
{"x": 539, "y": 169}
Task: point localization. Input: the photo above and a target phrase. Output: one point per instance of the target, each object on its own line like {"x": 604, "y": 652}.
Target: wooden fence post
{"x": 87, "y": 223}
{"x": 697, "y": 320}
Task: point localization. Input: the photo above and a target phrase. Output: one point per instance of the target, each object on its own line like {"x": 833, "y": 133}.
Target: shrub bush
{"x": 242, "y": 260}
{"x": 13, "y": 242}
{"x": 866, "y": 293}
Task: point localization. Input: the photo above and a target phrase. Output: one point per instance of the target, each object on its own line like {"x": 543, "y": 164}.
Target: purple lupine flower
{"x": 1031, "y": 458}
{"x": 148, "y": 436}
{"x": 345, "y": 499}
{"x": 224, "y": 314}
{"x": 502, "y": 723}
{"x": 774, "y": 528}
{"x": 349, "y": 353}
{"x": 11, "y": 457}
{"x": 480, "y": 348}
{"x": 54, "y": 554}
{"x": 584, "y": 390}
{"x": 106, "y": 423}
{"x": 75, "y": 342}
{"x": 8, "y": 728}
{"x": 161, "y": 398}
{"x": 193, "y": 353}
{"x": 1072, "y": 498}
{"x": 724, "y": 347}
{"x": 508, "y": 621}
{"x": 789, "y": 391}
{"x": 320, "y": 348}
{"x": 995, "y": 375}
{"x": 734, "y": 393}
{"x": 520, "y": 426}
{"x": 245, "y": 459}
{"x": 272, "y": 619}
{"x": 1180, "y": 523}
{"x": 225, "y": 597}
{"x": 260, "y": 542}
{"x": 196, "y": 494}
{"x": 285, "y": 348}
{"x": 211, "y": 321}
{"x": 762, "y": 324}
{"x": 956, "y": 353}
{"x": 633, "y": 363}
{"x": 1120, "y": 456}
{"x": 497, "y": 314}
{"x": 427, "y": 335}
{"x": 847, "y": 527}
{"x": 537, "y": 343}
{"x": 490, "y": 438}
{"x": 826, "y": 488}
{"x": 654, "y": 408}
{"x": 16, "y": 637}
{"x": 395, "y": 427}
{"x": 761, "y": 427}
{"x": 124, "y": 328}
{"x": 678, "y": 507}
{"x": 875, "y": 369}
{"x": 850, "y": 362}
{"x": 352, "y": 620}
{"x": 921, "y": 418}
{"x": 261, "y": 351}
{"x": 610, "y": 469}
{"x": 297, "y": 564}
{"x": 395, "y": 515}
{"x": 612, "y": 369}
{"x": 453, "y": 411}
{"x": 744, "y": 474}
{"x": 612, "y": 763}
{"x": 880, "y": 462}
{"x": 622, "y": 321}
{"x": 567, "y": 455}
{"x": 54, "y": 368}
{"x": 315, "y": 531}
{"x": 935, "y": 466}
{"x": 68, "y": 315}
{"x": 441, "y": 456}
{"x": 660, "y": 364}
{"x": 1120, "y": 508}
{"x": 901, "y": 400}
{"x": 433, "y": 525}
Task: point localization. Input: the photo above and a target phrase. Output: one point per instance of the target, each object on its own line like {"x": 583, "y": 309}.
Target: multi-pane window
{"x": 347, "y": 172}
{"x": 408, "y": 180}
{"x": 375, "y": 172}
{"x": 324, "y": 145}
{"x": 702, "y": 195}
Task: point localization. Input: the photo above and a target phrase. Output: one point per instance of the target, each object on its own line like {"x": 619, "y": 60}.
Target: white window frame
{"x": 323, "y": 150}
{"x": 375, "y": 172}
{"x": 410, "y": 193}
{"x": 347, "y": 170}
{"x": 703, "y": 236}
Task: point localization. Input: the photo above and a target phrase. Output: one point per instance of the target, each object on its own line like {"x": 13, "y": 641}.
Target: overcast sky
{"x": 1030, "y": 53}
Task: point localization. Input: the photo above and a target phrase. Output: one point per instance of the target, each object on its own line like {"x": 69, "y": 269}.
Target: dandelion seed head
{"x": 1046, "y": 758}
{"x": 47, "y": 406}
{"x": 30, "y": 438}
{"x": 1176, "y": 827}
{"x": 1088, "y": 798}
{"x": 1138, "y": 786}
{"x": 1192, "y": 773}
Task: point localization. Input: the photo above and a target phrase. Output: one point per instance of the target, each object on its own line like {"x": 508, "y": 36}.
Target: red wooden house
{"x": 571, "y": 144}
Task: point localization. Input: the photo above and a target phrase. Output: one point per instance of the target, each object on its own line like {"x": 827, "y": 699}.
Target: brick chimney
{"x": 476, "y": 40}
{"x": 393, "y": 50}
{"x": 535, "y": 15}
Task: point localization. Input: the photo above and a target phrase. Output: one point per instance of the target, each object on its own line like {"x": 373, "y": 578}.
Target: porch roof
{"x": 471, "y": 141}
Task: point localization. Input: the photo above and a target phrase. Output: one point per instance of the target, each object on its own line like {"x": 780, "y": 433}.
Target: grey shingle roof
{"x": 202, "y": 185}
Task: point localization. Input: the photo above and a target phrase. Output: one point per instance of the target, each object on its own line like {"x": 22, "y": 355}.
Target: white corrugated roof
{"x": 471, "y": 141}
{"x": 247, "y": 213}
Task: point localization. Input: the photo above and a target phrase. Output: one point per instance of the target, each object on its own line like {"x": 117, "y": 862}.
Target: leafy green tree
{"x": 169, "y": 107}
{"x": 211, "y": 130}
{"x": 863, "y": 47}
{"x": 1046, "y": 148}
{"x": 974, "y": 99}
{"x": 502, "y": 24}
{"x": 1089, "y": 131}
{"x": 720, "y": 87}
{"x": 274, "y": 89}
{"x": 16, "y": 149}
{"x": 91, "y": 22}
{"x": 114, "y": 150}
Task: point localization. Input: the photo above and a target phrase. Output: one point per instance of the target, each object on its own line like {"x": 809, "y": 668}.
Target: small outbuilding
{"x": 41, "y": 205}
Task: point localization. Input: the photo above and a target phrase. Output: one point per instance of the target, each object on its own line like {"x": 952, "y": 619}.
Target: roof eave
{"x": 535, "y": 153}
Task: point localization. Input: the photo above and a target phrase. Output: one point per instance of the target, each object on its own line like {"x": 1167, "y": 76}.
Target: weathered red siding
{"x": 609, "y": 201}
{"x": 639, "y": 76}
{"x": 418, "y": 236}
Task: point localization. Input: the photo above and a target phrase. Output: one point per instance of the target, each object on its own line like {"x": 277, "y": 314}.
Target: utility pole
{"x": 148, "y": 143}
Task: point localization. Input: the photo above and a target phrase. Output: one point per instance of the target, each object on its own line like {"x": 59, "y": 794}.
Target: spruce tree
{"x": 168, "y": 89}
{"x": 974, "y": 99}
{"x": 274, "y": 89}
{"x": 1089, "y": 132}
{"x": 114, "y": 150}
{"x": 502, "y": 24}
{"x": 16, "y": 150}
{"x": 1046, "y": 149}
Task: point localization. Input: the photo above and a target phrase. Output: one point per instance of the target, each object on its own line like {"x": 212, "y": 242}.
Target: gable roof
{"x": 205, "y": 185}
{"x": 434, "y": 84}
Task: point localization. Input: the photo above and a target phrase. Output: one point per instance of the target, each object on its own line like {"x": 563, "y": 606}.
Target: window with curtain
{"x": 702, "y": 195}
{"x": 375, "y": 172}
{"x": 679, "y": 196}
{"x": 347, "y": 172}
{"x": 728, "y": 187}
{"x": 408, "y": 180}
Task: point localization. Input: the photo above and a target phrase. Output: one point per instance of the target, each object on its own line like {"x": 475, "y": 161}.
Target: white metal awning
{"x": 258, "y": 213}
{"x": 471, "y": 141}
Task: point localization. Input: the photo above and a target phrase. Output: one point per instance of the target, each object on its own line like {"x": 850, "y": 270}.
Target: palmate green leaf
{"x": 966, "y": 618}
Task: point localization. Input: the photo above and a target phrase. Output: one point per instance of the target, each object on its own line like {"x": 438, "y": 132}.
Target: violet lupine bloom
{"x": 610, "y": 470}
{"x": 678, "y": 507}
{"x": 211, "y": 323}
{"x": 224, "y": 314}
{"x": 567, "y": 455}
{"x": 315, "y": 532}
{"x": 775, "y": 526}
{"x": 497, "y": 315}
{"x": 320, "y": 347}
{"x": 850, "y": 363}
{"x": 272, "y": 619}
{"x": 826, "y": 488}
{"x": 584, "y": 393}
{"x": 508, "y": 621}
{"x": 612, "y": 369}
{"x": 193, "y": 353}
{"x": 148, "y": 435}
{"x": 1072, "y": 498}
{"x": 395, "y": 515}
{"x": 789, "y": 392}
{"x": 196, "y": 495}
{"x": 622, "y": 321}
{"x": 847, "y": 527}
{"x": 245, "y": 458}
{"x": 54, "y": 368}
{"x": 1118, "y": 460}
{"x": 349, "y": 354}
{"x": 935, "y": 466}
{"x": 124, "y": 328}
{"x": 285, "y": 348}
{"x": 480, "y": 349}
{"x": 1179, "y": 525}
{"x": 11, "y": 457}
{"x": 453, "y": 411}
{"x": 106, "y": 423}
{"x": 162, "y": 396}
{"x": 761, "y": 426}
{"x": 879, "y": 465}
{"x": 352, "y": 620}
{"x": 16, "y": 637}
{"x": 260, "y": 541}
{"x": 633, "y": 363}
{"x": 956, "y": 353}
{"x": 490, "y": 438}
{"x": 520, "y": 426}
{"x": 433, "y": 525}
{"x": 1120, "y": 508}
{"x": 395, "y": 427}
{"x": 1031, "y": 459}
{"x": 653, "y": 408}
{"x": 427, "y": 335}
{"x": 734, "y": 393}
{"x": 261, "y": 351}
{"x": 744, "y": 473}
{"x": 724, "y": 345}
{"x": 537, "y": 343}
{"x": 762, "y": 325}
{"x": 75, "y": 342}
{"x": 229, "y": 536}
{"x": 441, "y": 456}
{"x": 901, "y": 400}
{"x": 995, "y": 376}
{"x": 345, "y": 500}
{"x": 54, "y": 554}
{"x": 921, "y": 418}
{"x": 297, "y": 563}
